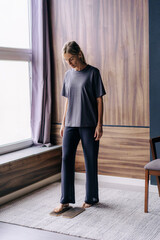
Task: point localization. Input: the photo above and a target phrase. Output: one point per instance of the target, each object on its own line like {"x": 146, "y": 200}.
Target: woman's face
{"x": 72, "y": 60}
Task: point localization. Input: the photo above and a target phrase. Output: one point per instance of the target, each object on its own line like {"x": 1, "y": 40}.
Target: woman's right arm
{"x": 63, "y": 119}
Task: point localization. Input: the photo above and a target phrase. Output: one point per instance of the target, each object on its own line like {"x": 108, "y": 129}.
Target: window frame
{"x": 18, "y": 54}
{"x": 8, "y": 148}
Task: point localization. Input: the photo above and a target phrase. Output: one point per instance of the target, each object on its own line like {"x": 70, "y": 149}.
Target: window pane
{"x": 14, "y": 24}
{"x": 14, "y": 102}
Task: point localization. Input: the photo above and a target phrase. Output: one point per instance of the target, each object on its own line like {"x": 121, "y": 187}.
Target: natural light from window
{"x": 14, "y": 102}
{"x": 15, "y": 74}
{"x": 14, "y": 27}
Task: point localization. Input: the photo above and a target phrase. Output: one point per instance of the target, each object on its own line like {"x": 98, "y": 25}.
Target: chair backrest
{"x": 153, "y": 146}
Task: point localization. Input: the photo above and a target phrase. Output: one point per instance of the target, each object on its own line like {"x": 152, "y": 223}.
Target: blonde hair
{"x": 74, "y": 49}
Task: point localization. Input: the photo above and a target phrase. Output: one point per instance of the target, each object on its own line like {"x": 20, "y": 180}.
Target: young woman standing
{"x": 82, "y": 120}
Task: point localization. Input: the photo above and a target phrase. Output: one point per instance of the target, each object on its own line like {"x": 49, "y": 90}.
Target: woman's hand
{"x": 64, "y": 116}
{"x": 62, "y": 130}
{"x": 98, "y": 132}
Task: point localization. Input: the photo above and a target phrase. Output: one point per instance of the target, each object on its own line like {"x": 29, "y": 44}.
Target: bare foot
{"x": 86, "y": 205}
{"x": 61, "y": 207}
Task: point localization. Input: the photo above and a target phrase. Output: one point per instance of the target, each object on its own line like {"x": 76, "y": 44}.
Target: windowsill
{"x": 21, "y": 154}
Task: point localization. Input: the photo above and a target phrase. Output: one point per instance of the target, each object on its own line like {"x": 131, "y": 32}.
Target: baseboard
{"x": 118, "y": 180}
{"x": 111, "y": 179}
{"x": 29, "y": 189}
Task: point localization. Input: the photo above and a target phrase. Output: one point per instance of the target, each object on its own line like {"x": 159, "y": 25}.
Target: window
{"x": 15, "y": 75}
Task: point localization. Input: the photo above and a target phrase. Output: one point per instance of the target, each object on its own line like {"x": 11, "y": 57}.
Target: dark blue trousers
{"x": 71, "y": 138}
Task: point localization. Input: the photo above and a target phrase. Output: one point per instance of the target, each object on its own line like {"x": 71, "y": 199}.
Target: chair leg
{"x": 158, "y": 184}
{"x": 146, "y": 191}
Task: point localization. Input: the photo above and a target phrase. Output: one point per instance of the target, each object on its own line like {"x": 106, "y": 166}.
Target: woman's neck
{"x": 81, "y": 67}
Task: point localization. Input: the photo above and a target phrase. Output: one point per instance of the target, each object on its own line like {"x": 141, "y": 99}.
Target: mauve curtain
{"x": 41, "y": 74}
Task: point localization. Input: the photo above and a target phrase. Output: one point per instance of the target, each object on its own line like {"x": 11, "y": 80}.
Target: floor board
{"x": 15, "y": 232}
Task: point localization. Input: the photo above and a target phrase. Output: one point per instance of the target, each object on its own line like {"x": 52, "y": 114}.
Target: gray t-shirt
{"x": 82, "y": 88}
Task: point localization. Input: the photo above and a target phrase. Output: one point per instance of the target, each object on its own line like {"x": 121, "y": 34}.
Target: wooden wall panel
{"x": 123, "y": 151}
{"x": 114, "y": 37}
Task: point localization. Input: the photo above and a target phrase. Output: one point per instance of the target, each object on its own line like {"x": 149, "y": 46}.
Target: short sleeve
{"x": 64, "y": 90}
{"x": 98, "y": 85}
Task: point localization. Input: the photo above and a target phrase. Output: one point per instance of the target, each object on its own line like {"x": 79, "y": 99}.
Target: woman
{"x": 82, "y": 120}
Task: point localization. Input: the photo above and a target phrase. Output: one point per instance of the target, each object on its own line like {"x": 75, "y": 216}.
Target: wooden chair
{"x": 152, "y": 168}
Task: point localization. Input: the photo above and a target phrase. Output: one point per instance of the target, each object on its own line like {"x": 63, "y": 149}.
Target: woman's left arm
{"x": 99, "y": 130}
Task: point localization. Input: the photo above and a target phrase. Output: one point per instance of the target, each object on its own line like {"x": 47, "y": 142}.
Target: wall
{"x": 154, "y": 58}
{"x": 113, "y": 35}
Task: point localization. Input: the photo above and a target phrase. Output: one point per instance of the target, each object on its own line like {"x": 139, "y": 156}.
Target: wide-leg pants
{"x": 71, "y": 138}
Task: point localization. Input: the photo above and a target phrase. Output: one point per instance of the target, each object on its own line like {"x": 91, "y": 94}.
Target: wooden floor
{"x": 14, "y": 232}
